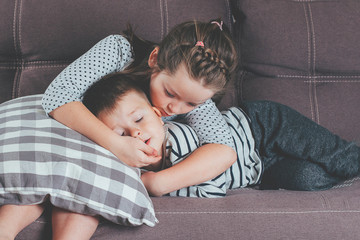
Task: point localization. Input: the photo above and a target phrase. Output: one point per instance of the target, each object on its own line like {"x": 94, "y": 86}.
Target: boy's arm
{"x": 190, "y": 165}
{"x": 199, "y": 167}
{"x": 215, "y": 154}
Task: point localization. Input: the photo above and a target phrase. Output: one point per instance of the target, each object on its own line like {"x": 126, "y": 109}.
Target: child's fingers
{"x": 149, "y": 150}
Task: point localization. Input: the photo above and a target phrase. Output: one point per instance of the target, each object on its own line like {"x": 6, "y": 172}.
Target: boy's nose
{"x": 135, "y": 132}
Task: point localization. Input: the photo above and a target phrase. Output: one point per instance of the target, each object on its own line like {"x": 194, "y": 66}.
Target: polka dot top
{"x": 113, "y": 54}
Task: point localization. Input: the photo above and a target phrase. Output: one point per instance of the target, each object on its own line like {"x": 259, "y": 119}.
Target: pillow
{"x": 43, "y": 160}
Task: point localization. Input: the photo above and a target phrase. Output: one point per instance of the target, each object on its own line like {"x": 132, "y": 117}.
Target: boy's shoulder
{"x": 179, "y": 130}
{"x": 180, "y": 141}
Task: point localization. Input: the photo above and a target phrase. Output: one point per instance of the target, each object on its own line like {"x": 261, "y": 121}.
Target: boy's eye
{"x": 169, "y": 94}
{"x": 119, "y": 132}
{"x": 139, "y": 119}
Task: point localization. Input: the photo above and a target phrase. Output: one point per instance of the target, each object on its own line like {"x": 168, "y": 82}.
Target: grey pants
{"x": 297, "y": 153}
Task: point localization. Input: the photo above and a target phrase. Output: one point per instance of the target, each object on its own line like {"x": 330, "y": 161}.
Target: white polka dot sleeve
{"x": 209, "y": 124}
{"x": 112, "y": 54}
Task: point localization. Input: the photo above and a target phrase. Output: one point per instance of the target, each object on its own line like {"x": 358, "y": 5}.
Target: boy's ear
{"x": 158, "y": 113}
{"x": 152, "y": 61}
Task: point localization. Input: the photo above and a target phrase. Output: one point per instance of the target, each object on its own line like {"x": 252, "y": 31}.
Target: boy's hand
{"x": 133, "y": 151}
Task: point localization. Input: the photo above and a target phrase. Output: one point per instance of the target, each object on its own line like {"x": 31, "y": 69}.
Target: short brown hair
{"x": 103, "y": 94}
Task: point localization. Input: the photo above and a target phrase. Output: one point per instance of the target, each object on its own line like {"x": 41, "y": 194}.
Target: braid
{"x": 206, "y": 49}
{"x": 205, "y": 62}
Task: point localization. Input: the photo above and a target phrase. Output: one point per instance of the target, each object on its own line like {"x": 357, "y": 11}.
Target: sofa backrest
{"x": 39, "y": 38}
{"x": 302, "y": 53}
{"x": 305, "y": 54}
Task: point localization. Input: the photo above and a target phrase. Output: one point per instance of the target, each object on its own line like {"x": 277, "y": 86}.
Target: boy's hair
{"x": 103, "y": 94}
{"x": 213, "y": 63}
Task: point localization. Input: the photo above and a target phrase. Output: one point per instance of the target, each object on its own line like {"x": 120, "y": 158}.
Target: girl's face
{"x": 177, "y": 93}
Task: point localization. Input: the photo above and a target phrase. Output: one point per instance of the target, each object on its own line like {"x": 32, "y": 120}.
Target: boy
{"x": 276, "y": 146}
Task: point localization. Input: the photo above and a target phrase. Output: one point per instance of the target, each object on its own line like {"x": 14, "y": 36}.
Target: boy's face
{"x": 134, "y": 116}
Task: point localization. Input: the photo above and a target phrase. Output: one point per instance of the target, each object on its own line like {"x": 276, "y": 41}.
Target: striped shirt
{"x": 113, "y": 54}
{"x": 247, "y": 170}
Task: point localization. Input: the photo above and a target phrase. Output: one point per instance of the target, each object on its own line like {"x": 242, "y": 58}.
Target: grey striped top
{"x": 246, "y": 171}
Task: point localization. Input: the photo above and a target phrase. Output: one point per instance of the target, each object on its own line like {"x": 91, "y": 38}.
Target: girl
{"x": 190, "y": 66}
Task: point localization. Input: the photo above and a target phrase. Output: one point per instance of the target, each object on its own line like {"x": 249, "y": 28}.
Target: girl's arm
{"x": 112, "y": 54}
{"x": 62, "y": 99}
{"x": 130, "y": 150}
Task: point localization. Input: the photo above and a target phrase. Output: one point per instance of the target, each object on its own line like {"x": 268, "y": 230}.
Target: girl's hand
{"x": 129, "y": 150}
{"x": 133, "y": 152}
{"x": 150, "y": 182}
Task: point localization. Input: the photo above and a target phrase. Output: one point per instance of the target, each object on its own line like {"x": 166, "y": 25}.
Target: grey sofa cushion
{"x": 304, "y": 54}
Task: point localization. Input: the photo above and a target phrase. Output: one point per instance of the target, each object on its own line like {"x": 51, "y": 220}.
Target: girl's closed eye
{"x": 193, "y": 105}
{"x": 169, "y": 94}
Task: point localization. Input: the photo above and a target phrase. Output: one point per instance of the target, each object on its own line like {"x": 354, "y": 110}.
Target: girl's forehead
{"x": 188, "y": 88}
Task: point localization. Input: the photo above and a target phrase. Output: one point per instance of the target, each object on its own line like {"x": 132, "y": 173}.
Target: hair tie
{"x": 219, "y": 24}
{"x": 200, "y": 44}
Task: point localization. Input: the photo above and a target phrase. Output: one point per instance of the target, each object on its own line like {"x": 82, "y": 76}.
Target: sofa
{"x": 302, "y": 53}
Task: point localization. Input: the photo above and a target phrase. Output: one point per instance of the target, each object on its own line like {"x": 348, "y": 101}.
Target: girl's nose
{"x": 174, "y": 107}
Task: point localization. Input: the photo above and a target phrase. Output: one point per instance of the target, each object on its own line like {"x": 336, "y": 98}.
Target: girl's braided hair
{"x": 212, "y": 64}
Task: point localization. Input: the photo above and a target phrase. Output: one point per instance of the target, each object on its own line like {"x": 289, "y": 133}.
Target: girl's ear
{"x": 152, "y": 61}
{"x": 158, "y": 113}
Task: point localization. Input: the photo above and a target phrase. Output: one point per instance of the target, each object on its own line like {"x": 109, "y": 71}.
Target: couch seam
{"x": 166, "y": 17}
{"x": 309, "y": 60}
{"x": 17, "y": 47}
{"x": 35, "y": 66}
{"x": 313, "y": 73}
{"x": 308, "y": 36}
{"x": 335, "y": 81}
{"x": 161, "y": 19}
{"x": 306, "y": 1}
{"x": 313, "y": 40}
{"x": 14, "y": 27}
{"x": 16, "y": 65}
{"x": 19, "y": 28}
{"x": 320, "y": 76}
{"x": 229, "y": 16}
{"x": 262, "y": 212}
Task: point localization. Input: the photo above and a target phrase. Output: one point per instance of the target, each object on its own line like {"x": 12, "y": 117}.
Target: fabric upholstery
{"x": 302, "y": 53}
